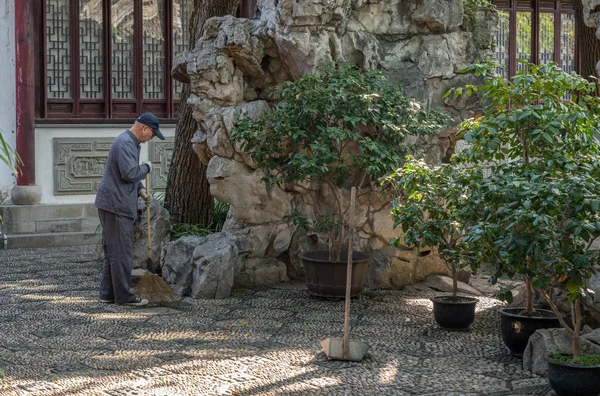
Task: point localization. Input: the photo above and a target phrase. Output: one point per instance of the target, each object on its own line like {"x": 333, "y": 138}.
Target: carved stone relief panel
{"x": 79, "y": 164}
{"x": 160, "y": 155}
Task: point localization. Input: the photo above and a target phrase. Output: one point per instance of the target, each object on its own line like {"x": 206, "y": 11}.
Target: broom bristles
{"x": 153, "y": 288}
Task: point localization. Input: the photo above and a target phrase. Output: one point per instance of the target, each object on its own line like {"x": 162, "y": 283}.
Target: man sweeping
{"x": 116, "y": 201}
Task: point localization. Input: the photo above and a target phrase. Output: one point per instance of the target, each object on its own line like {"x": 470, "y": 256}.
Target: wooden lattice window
{"x": 538, "y": 31}
{"x": 111, "y": 59}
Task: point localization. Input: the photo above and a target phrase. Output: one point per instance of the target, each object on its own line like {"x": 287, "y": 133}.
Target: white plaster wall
{"x": 44, "y": 172}
{"x": 8, "y": 96}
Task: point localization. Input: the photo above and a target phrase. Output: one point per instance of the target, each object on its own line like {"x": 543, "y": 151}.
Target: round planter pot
{"x": 570, "y": 380}
{"x": 326, "y": 278}
{"x": 516, "y": 329}
{"x": 454, "y": 313}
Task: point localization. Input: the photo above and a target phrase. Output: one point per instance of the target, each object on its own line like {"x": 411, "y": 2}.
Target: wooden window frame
{"x": 109, "y": 110}
{"x": 556, "y": 7}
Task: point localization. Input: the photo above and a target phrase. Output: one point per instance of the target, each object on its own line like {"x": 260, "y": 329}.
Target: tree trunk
{"x": 589, "y": 46}
{"x": 454, "y": 281}
{"x": 577, "y": 329}
{"x": 529, "y": 287}
{"x": 187, "y": 195}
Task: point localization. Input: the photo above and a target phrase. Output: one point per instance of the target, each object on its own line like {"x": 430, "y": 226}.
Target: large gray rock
{"x": 160, "y": 234}
{"x": 544, "y": 341}
{"x": 178, "y": 263}
{"x": 208, "y": 271}
{"x": 208, "y": 267}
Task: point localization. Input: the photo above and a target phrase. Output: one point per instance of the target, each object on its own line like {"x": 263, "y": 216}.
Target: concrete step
{"x": 45, "y": 219}
{"x": 37, "y": 226}
{"x": 61, "y": 239}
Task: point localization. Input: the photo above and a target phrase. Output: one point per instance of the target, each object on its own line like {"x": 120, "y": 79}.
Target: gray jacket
{"x": 118, "y": 190}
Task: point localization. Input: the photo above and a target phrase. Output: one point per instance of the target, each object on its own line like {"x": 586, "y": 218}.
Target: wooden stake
{"x": 148, "y": 218}
{"x": 346, "y": 342}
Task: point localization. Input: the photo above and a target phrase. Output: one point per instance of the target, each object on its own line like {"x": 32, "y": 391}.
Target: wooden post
{"x": 346, "y": 341}
{"x": 25, "y": 87}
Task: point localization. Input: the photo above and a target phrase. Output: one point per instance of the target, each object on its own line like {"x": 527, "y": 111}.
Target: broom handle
{"x": 148, "y": 216}
{"x": 345, "y": 342}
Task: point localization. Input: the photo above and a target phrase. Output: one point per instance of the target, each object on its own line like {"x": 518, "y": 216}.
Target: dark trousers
{"x": 118, "y": 257}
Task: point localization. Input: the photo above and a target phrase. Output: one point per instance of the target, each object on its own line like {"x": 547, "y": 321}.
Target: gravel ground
{"x": 56, "y": 339}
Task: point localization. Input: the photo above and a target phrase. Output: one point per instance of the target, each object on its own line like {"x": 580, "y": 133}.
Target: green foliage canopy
{"x": 430, "y": 208}
{"x": 308, "y": 135}
{"x": 536, "y": 215}
{"x": 340, "y": 126}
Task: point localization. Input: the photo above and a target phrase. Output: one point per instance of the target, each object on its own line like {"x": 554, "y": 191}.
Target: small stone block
{"x": 157, "y": 311}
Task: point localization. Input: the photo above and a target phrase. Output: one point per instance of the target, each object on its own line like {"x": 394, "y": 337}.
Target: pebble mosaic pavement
{"x": 56, "y": 339}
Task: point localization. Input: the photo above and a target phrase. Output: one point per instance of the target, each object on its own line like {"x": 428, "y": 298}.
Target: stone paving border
{"x": 56, "y": 339}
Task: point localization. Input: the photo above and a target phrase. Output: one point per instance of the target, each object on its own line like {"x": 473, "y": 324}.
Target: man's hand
{"x": 145, "y": 196}
{"x": 149, "y": 165}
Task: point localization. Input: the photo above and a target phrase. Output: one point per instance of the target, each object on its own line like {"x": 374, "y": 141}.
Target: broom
{"x": 151, "y": 286}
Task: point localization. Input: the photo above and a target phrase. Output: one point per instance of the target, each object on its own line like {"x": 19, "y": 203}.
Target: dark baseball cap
{"x": 150, "y": 120}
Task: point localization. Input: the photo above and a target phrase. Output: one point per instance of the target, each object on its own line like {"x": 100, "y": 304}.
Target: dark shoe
{"x": 136, "y": 302}
{"x": 106, "y": 300}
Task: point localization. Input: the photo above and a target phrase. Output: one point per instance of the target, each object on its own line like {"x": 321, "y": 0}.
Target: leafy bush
{"x": 219, "y": 215}
{"x": 336, "y": 128}
{"x": 431, "y": 210}
{"x": 536, "y": 215}
{"x": 184, "y": 229}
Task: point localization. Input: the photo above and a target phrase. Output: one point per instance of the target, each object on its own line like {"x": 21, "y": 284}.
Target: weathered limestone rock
{"x": 591, "y": 14}
{"x": 234, "y": 36}
{"x": 444, "y": 283}
{"x": 389, "y": 272}
{"x": 213, "y": 74}
{"x": 360, "y": 48}
{"x": 207, "y": 272}
{"x": 262, "y": 272}
{"x": 439, "y": 15}
{"x": 208, "y": 267}
{"x": 301, "y": 52}
{"x": 160, "y": 234}
{"x": 312, "y": 12}
{"x": 590, "y": 307}
{"x": 544, "y": 341}
{"x": 220, "y": 123}
{"x": 419, "y": 44}
{"x": 177, "y": 265}
{"x": 255, "y": 202}
{"x": 591, "y": 18}
{"x": 300, "y": 242}
{"x": 381, "y": 17}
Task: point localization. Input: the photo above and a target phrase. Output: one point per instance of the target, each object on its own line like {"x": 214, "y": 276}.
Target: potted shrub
{"x": 430, "y": 208}
{"x": 529, "y": 136}
{"x": 337, "y": 128}
{"x": 575, "y": 193}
